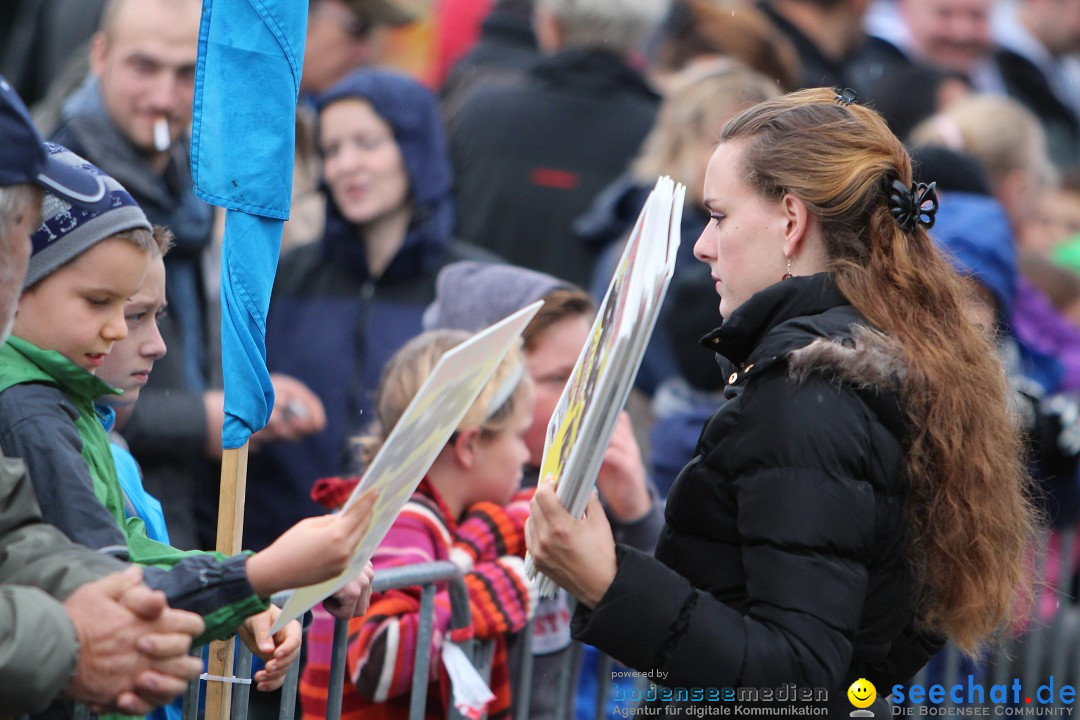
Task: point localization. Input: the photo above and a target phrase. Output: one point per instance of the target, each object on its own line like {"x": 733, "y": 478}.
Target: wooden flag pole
{"x": 229, "y": 538}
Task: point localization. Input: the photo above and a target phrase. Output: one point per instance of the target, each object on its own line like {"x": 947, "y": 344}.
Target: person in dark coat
{"x": 504, "y": 51}
{"x": 798, "y": 549}
{"x": 832, "y": 46}
{"x": 530, "y": 156}
{"x": 342, "y": 306}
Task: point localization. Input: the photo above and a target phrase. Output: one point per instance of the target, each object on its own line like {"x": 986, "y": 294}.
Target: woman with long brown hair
{"x": 859, "y": 497}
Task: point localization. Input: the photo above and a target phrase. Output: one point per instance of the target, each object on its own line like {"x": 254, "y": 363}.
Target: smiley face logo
{"x": 862, "y": 693}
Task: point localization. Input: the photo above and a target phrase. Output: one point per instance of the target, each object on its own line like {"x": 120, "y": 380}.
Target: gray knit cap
{"x": 67, "y": 230}
{"x": 471, "y": 295}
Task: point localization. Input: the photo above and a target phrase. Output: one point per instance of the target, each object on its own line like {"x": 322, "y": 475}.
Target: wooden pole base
{"x": 229, "y": 538}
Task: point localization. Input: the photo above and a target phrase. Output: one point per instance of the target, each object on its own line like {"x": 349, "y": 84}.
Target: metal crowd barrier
{"x": 426, "y": 575}
{"x": 1049, "y": 645}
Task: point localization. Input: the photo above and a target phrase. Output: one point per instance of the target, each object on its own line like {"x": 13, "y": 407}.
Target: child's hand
{"x": 353, "y": 599}
{"x": 278, "y": 651}
{"x": 311, "y": 551}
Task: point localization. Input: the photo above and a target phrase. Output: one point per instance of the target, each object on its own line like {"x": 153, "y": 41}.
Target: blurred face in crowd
{"x": 550, "y": 362}
{"x": 129, "y": 364}
{"x": 338, "y": 40}
{"x": 1057, "y": 220}
{"x": 362, "y": 164}
{"x": 952, "y": 34}
{"x": 144, "y": 57}
{"x": 1019, "y": 191}
{"x": 15, "y": 229}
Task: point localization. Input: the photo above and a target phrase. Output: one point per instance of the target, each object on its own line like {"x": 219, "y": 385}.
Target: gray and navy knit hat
{"x": 471, "y": 295}
{"x": 67, "y": 230}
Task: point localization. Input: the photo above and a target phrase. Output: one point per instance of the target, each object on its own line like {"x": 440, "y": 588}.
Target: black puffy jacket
{"x": 783, "y": 555}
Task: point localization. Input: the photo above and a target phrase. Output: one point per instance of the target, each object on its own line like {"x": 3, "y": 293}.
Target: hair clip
{"x": 845, "y": 97}
{"x": 913, "y": 206}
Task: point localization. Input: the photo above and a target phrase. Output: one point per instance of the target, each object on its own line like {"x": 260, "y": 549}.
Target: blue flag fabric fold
{"x": 249, "y": 255}
{"x": 243, "y": 140}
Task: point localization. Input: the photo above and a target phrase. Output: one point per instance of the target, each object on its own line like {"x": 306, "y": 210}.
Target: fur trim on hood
{"x": 868, "y": 359}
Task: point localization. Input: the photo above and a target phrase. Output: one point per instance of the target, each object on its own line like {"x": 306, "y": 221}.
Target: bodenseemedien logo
{"x": 788, "y": 699}
{"x": 862, "y": 694}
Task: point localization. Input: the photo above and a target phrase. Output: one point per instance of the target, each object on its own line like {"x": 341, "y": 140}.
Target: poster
{"x": 585, "y": 418}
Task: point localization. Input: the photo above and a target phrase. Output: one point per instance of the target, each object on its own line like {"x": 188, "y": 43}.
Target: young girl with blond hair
{"x": 466, "y": 510}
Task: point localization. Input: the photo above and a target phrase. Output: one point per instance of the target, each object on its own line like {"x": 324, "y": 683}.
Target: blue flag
{"x": 243, "y": 140}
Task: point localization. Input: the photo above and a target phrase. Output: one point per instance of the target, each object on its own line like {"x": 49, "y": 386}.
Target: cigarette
{"x": 161, "y": 134}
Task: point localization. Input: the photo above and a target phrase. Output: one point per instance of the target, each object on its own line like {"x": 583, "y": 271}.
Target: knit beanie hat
{"x": 471, "y": 295}
{"x": 67, "y": 230}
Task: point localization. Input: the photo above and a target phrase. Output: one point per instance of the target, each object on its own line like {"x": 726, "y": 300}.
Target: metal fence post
{"x": 242, "y": 691}
{"x": 603, "y": 684}
{"x": 1061, "y": 628}
{"x": 288, "y": 693}
{"x": 191, "y": 696}
{"x": 524, "y": 684}
{"x": 336, "y": 687}
{"x": 418, "y": 699}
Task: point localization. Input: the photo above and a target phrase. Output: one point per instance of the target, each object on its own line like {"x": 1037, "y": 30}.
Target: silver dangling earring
{"x": 788, "y": 273}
